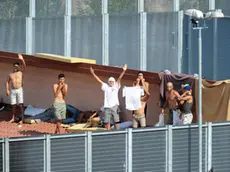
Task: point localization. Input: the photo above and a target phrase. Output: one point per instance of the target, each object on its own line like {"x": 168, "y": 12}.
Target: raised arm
{"x": 7, "y": 86}
{"x": 57, "y": 89}
{"x": 122, "y": 74}
{"x": 95, "y": 76}
{"x": 23, "y": 66}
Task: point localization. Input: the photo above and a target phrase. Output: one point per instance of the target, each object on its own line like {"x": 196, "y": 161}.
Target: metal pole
{"x": 200, "y": 98}
{"x": 67, "y": 28}
{"x": 105, "y": 33}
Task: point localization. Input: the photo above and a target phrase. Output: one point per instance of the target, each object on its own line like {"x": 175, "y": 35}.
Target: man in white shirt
{"x": 111, "y": 101}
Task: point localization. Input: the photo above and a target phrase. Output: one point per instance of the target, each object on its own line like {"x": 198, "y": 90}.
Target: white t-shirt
{"x": 110, "y": 95}
{"x": 133, "y": 97}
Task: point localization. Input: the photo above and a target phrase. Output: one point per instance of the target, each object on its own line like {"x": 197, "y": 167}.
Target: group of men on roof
{"x": 14, "y": 89}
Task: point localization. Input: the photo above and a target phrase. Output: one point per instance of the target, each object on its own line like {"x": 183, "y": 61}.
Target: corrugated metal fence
{"x": 167, "y": 149}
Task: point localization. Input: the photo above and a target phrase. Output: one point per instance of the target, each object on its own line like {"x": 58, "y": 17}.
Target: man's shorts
{"x": 16, "y": 96}
{"x": 139, "y": 118}
{"x": 187, "y": 118}
{"x": 111, "y": 114}
{"x": 59, "y": 110}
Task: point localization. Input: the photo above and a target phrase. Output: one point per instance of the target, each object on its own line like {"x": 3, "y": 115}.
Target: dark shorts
{"x": 111, "y": 114}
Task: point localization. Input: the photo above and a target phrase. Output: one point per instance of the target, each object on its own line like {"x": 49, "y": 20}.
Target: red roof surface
{"x": 8, "y": 129}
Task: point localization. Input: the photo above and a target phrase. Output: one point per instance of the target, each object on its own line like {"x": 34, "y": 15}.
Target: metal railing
{"x": 164, "y": 149}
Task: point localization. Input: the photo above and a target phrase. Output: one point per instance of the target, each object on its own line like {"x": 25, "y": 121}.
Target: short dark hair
{"x": 16, "y": 63}
{"x": 139, "y": 73}
{"x": 61, "y": 76}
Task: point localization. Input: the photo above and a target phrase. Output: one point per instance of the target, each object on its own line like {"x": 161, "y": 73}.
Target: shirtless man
{"x": 171, "y": 102}
{"x": 141, "y": 82}
{"x": 139, "y": 115}
{"x": 15, "y": 81}
{"x": 60, "y": 91}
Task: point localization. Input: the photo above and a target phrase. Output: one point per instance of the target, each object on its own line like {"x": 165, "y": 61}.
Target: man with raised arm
{"x": 139, "y": 115}
{"x": 60, "y": 91}
{"x": 14, "y": 88}
{"x": 111, "y": 101}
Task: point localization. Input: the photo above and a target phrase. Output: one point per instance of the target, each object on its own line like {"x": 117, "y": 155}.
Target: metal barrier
{"x": 165, "y": 149}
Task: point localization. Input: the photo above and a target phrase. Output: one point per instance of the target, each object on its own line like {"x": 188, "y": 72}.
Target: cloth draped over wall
{"x": 216, "y": 101}
{"x": 177, "y": 79}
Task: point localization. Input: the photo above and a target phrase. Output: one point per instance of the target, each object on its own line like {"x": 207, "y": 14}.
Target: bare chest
{"x": 16, "y": 76}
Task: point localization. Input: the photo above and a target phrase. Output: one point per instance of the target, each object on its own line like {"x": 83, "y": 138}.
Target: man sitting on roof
{"x": 98, "y": 118}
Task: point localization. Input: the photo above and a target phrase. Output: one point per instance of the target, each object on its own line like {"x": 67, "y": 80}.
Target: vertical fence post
{"x": 215, "y": 49}
{"x": 169, "y": 149}
{"x": 190, "y": 39}
{"x": 67, "y": 26}
{"x": 176, "y": 5}
{"x": 212, "y": 4}
{"x": 89, "y": 152}
{"x": 180, "y": 18}
{"x": 47, "y": 154}
{"x": 105, "y": 33}
{"x": 29, "y": 27}
{"x": 143, "y": 35}
{"x": 129, "y": 150}
{"x": 6, "y": 156}
{"x": 209, "y": 146}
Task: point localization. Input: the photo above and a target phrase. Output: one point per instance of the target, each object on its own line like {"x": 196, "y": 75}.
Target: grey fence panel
{"x": 202, "y": 5}
{"x": 149, "y": 151}
{"x": 86, "y": 37}
{"x": 26, "y": 156}
{"x": 13, "y": 35}
{"x": 162, "y": 41}
{"x": 220, "y": 148}
{"x": 48, "y": 35}
{"x": 1, "y": 157}
{"x": 86, "y": 7}
{"x": 68, "y": 154}
{"x": 223, "y": 45}
{"x": 109, "y": 153}
{"x": 122, "y": 6}
{"x": 186, "y": 150}
{"x": 124, "y": 40}
{"x": 14, "y": 8}
{"x": 49, "y": 8}
{"x": 158, "y": 5}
